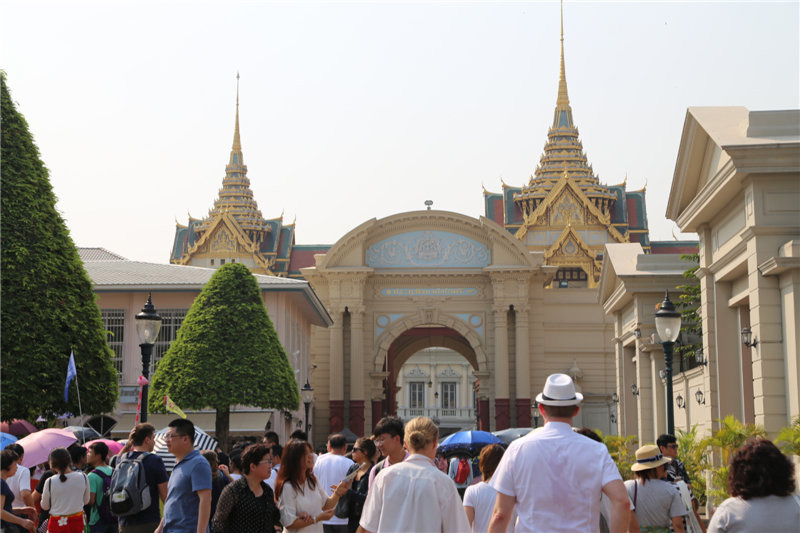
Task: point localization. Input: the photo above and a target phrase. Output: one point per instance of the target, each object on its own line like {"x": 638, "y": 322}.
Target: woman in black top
{"x": 248, "y": 504}
{"x": 363, "y": 452}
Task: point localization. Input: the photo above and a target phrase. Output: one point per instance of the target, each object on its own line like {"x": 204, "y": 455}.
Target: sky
{"x": 355, "y": 110}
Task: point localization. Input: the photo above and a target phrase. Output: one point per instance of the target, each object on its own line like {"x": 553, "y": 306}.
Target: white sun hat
{"x": 559, "y": 390}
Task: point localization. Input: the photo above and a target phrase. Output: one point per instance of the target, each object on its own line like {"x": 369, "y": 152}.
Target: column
{"x": 357, "y": 369}
{"x": 501, "y": 400}
{"x": 523, "y": 368}
{"x": 336, "y": 376}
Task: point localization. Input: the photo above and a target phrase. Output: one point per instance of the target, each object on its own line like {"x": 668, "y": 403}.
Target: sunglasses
{"x": 358, "y": 450}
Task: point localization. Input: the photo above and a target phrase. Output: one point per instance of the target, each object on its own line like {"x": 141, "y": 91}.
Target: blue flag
{"x": 72, "y": 373}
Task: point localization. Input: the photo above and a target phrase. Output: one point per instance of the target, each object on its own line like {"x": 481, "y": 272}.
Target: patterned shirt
{"x": 240, "y": 511}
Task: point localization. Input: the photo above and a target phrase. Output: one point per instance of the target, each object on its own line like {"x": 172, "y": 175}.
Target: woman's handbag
{"x": 342, "y": 509}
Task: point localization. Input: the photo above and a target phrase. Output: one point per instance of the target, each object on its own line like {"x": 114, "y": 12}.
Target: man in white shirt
{"x": 330, "y": 469}
{"x": 555, "y": 476}
{"x": 389, "y": 434}
{"x": 20, "y": 482}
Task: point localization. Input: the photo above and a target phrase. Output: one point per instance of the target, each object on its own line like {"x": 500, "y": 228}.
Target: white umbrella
{"x": 202, "y": 441}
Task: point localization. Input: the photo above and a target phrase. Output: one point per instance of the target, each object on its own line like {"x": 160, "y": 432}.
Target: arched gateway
{"x": 396, "y": 285}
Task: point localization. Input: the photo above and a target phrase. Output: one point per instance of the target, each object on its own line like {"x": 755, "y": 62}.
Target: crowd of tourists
{"x": 553, "y": 479}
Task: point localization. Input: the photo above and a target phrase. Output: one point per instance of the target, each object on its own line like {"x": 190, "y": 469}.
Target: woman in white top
{"x": 65, "y": 494}
{"x": 414, "y": 495}
{"x": 760, "y": 482}
{"x": 303, "y": 502}
{"x": 657, "y": 503}
{"x": 479, "y": 498}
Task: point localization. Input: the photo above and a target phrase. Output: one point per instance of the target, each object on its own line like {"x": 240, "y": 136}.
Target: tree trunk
{"x": 222, "y": 426}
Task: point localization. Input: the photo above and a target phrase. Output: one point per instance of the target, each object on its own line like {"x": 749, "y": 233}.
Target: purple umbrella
{"x": 38, "y": 445}
{"x": 18, "y": 427}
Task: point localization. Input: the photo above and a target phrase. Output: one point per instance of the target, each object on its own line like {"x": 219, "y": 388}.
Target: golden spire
{"x": 237, "y": 145}
{"x": 563, "y": 97}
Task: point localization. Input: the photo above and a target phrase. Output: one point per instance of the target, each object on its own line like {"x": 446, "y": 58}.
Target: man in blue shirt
{"x": 188, "y": 502}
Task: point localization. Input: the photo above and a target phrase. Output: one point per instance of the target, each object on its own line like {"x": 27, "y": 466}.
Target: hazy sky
{"x": 364, "y": 109}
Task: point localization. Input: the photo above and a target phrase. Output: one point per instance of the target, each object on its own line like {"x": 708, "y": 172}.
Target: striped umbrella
{"x": 202, "y": 441}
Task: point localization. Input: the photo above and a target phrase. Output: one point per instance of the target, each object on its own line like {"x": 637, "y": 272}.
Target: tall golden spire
{"x": 563, "y": 97}
{"x": 237, "y": 144}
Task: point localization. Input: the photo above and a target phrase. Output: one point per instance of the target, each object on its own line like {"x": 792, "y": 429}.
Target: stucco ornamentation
{"x": 428, "y": 249}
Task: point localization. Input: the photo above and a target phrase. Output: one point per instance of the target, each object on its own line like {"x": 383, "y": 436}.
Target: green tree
{"x": 789, "y": 438}
{"x": 689, "y": 304}
{"x": 623, "y": 451}
{"x": 694, "y": 456}
{"x": 227, "y": 353}
{"x": 725, "y": 441}
{"x": 48, "y": 305}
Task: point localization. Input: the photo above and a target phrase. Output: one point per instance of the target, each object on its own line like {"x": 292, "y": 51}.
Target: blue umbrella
{"x": 470, "y": 442}
{"x": 6, "y": 439}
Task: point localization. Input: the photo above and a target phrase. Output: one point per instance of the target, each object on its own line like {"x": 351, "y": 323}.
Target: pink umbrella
{"x": 18, "y": 427}
{"x": 38, "y": 445}
{"x": 113, "y": 446}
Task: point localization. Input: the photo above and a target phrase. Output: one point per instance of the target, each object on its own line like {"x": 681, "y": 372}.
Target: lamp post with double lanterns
{"x": 668, "y": 325}
{"x": 148, "y": 324}
{"x": 307, "y": 392}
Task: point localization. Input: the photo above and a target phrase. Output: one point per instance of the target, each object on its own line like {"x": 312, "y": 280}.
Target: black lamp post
{"x": 308, "y": 397}
{"x": 668, "y": 325}
{"x": 148, "y": 324}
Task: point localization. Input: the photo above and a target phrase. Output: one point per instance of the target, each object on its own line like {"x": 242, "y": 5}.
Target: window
{"x": 448, "y": 395}
{"x": 114, "y": 324}
{"x": 416, "y": 395}
{"x": 221, "y": 261}
{"x": 212, "y": 262}
{"x": 171, "y": 320}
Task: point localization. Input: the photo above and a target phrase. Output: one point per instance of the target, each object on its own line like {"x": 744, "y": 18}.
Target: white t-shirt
{"x": 657, "y": 502}
{"x": 556, "y": 477}
{"x": 413, "y": 496}
{"x": 330, "y": 469}
{"x": 20, "y": 480}
{"x": 273, "y": 476}
{"x": 64, "y": 498}
{"x": 481, "y": 497}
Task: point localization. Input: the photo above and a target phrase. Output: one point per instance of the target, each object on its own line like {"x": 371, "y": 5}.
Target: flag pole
{"x": 80, "y": 409}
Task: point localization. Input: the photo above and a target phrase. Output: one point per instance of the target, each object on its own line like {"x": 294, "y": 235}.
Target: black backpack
{"x": 104, "y": 509}
{"x": 129, "y": 491}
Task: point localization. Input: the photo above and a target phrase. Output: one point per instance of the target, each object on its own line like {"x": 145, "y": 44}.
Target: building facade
{"x": 122, "y": 288}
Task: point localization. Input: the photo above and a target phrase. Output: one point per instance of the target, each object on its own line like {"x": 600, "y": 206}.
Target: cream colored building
{"x": 737, "y": 185}
{"x": 122, "y": 287}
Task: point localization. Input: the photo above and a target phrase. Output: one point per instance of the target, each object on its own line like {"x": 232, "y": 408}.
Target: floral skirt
{"x": 73, "y": 523}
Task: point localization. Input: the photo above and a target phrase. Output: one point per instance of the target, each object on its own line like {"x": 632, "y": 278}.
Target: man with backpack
{"x": 460, "y": 472}
{"x": 128, "y": 481}
{"x": 100, "y": 518}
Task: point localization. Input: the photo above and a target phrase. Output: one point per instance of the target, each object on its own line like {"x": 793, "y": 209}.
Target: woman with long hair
{"x": 657, "y": 503}
{"x": 363, "y": 452}
{"x": 761, "y": 483}
{"x": 303, "y": 502}
{"x": 248, "y": 505}
{"x": 479, "y": 498}
{"x": 8, "y": 520}
{"x": 64, "y": 495}
{"x": 415, "y": 495}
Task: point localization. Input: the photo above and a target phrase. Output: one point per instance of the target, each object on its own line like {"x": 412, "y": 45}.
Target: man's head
{"x": 559, "y": 401}
{"x": 668, "y": 445}
{"x": 77, "y": 454}
{"x": 337, "y": 444}
{"x": 143, "y": 436}
{"x": 97, "y": 455}
{"x": 271, "y": 438}
{"x": 276, "y": 451}
{"x": 180, "y": 437}
{"x": 389, "y": 434}
{"x": 299, "y": 434}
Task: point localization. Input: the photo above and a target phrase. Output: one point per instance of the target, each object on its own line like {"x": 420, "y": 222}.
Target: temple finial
{"x": 237, "y": 144}
{"x": 563, "y": 97}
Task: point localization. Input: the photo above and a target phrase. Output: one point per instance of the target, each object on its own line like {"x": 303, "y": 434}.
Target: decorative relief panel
{"x": 223, "y": 241}
{"x": 475, "y": 321}
{"x": 428, "y": 249}
{"x": 566, "y": 211}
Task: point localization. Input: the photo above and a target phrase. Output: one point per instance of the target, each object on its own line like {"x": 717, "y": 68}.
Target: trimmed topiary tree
{"x": 48, "y": 305}
{"x": 226, "y": 353}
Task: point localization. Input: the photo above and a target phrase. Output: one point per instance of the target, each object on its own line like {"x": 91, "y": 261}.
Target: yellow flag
{"x": 170, "y": 405}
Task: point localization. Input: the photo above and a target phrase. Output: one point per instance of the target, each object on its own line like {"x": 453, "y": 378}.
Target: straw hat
{"x": 649, "y": 457}
{"x": 559, "y": 390}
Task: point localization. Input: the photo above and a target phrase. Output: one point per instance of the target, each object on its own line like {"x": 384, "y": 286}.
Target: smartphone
{"x": 350, "y": 476}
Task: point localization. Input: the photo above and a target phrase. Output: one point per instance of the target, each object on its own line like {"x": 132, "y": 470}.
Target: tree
{"x": 48, "y": 305}
{"x": 226, "y": 353}
{"x": 725, "y": 441}
{"x": 689, "y": 304}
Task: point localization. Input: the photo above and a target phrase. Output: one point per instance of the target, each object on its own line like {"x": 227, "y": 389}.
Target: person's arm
{"x": 501, "y": 514}
{"x": 93, "y": 489}
{"x": 86, "y": 492}
{"x": 341, "y": 490}
{"x": 27, "y": 497}
{"x": 633, "y": 527}
{"x": 11, "y": 517}
{"x": 46, "y": 495}
{"x": 620, "y": 505}
{"x": 677, "y": 524}
{"x": 160, "y": 528}
{"x": 203, "y": 509}
{"x": 162, "y": 491}
{"x": 470, "y": 514}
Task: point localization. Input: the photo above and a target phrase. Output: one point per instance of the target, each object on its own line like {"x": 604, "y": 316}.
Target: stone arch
{"x": 477, "y": 358}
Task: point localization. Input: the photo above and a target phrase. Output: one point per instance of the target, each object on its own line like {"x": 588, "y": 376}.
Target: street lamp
{"x": 535, "y": 414}
{"x": 668, "y": 325}
{"x": 148, "y": 324}
{"x": 308, "y": 397}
